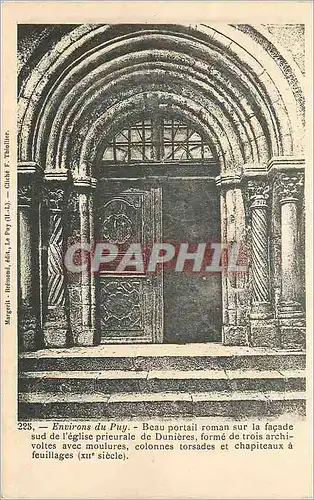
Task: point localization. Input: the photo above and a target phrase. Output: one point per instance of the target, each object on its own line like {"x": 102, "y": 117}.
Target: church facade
{"x": 161, "y": 133}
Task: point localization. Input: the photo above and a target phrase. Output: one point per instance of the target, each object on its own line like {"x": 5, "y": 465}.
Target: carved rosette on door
{"x": 130, "y": 303}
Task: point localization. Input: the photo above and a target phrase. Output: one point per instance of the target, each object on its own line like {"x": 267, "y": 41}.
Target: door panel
{"x": 193, "y": 305}
{"x": 130, "y": 305}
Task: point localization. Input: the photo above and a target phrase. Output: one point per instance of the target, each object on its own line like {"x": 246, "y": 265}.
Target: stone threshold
{"x": 166, "y": 374}
{"x": 148, "y": 350}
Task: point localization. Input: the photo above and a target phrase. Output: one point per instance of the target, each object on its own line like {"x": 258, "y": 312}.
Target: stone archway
{"x": 249, "y": 109}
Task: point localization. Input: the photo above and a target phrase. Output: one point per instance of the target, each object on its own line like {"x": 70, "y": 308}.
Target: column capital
{"x": 25, "y": 195}
{"x": 257, "y": 190}
{"x": 55, "y": 188}
{"x": 289, "y": 186}
{"x": 55, "y": 197}
{"x": 30, "y": 177}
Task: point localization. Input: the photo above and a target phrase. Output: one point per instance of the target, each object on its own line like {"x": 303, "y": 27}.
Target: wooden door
{"x": 130, "y": 304}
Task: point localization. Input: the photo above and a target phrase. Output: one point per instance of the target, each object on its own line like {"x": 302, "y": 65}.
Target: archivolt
{"x": 76, "y": 98}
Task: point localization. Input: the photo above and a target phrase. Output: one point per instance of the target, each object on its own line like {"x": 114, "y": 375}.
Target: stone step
{"x": 154, "y": 381}
{"x": 171, "y": 404}
{"x": 161, "y": 357}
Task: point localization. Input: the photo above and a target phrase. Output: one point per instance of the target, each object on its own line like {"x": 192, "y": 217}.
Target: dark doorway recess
{"x": 192, "y": 301}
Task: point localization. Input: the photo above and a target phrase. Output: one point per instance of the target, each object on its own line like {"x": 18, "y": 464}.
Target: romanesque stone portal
{"x": 114, "y": 123}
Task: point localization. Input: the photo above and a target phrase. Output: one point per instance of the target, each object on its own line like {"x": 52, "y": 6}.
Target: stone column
{"x": 82, "y": 287}
{"x": 263, "y": 331}
{"x": 258, "y": 197}
{"x": 29, "y": 180}
{"x": 289, "y": 188}
{"x": 56, "y": 323}
{"x": 234, "y": 285}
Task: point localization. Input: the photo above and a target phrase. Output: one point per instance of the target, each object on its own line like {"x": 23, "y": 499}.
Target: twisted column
{"x": 261, "y": 307}
{"x": 56, "y": 292}
{"x": 263, "y": 326}
{"x": 56, "y": 327}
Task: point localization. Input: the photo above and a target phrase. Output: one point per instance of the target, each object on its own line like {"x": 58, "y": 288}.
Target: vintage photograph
{"x": 161, "y": 221}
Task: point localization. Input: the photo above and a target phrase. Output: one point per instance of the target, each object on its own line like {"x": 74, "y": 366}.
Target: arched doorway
{"x": 156, "y": 183}
{"x": 234, "y": 88}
